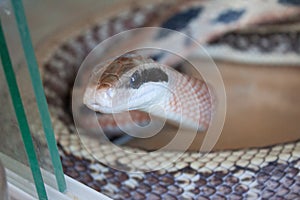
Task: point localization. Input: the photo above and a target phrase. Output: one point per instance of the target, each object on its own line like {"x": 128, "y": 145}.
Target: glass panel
{"x": 38, "y": 92}
{"x": 13, "y": 151}
{"x": 12, "y": 143}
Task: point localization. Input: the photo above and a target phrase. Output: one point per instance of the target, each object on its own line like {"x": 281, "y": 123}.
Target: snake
{"x": 270, "y": 172}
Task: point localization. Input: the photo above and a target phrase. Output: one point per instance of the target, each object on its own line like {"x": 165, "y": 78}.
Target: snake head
{"x": 130, "y": 82}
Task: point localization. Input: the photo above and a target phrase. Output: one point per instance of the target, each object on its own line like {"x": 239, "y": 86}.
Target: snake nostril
{"x": 103, "y": 85}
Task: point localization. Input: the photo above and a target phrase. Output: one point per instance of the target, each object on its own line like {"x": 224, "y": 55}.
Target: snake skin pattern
{"x": 259, "y": 173}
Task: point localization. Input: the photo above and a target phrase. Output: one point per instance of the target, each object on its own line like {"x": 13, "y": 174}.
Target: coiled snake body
{"x": 270, "y": 172}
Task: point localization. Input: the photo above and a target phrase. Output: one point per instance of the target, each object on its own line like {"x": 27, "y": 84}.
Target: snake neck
{"x": 187, "y": 103}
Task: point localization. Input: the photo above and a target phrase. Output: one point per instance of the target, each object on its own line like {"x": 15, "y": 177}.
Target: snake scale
{"x": 257, "y": 173}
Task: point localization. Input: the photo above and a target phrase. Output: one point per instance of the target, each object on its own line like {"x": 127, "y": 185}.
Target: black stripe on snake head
{"x": 229, "y": 16}
{"x": 290, "y": 2}
{"x": 138, "y": 78}
{"x": 179, "y": 21}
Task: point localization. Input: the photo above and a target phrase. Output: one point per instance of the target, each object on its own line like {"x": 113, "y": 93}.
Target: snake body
{"x": 266, "y": 173}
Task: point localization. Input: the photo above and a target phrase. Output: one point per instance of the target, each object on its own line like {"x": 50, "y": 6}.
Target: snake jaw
{"x": 148, "y": 95}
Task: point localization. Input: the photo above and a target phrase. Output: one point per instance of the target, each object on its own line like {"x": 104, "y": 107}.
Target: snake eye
{"x": 147, "y": 75}
{"x": 135, "y": 80}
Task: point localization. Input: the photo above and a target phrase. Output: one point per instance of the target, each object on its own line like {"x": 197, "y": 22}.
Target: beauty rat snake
{"x": 268, "y": 173}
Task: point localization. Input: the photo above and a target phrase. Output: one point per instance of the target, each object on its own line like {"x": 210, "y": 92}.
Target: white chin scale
{"x": 149, "y": 95}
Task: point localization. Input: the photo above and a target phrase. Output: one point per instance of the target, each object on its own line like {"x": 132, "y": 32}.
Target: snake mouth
{"x": 98, "y": 108}
{"x": 94, "y": 106}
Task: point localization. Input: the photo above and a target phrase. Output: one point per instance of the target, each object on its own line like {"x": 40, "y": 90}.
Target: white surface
{"x": 75, "y": 191}
{"x": 17, "y": 194}
{"x": 81, "y": 191}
